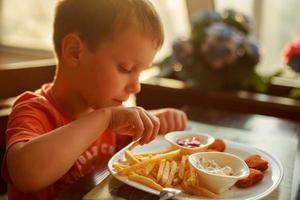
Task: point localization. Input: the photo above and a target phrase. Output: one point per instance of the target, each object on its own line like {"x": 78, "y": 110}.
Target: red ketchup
{"x": 190, "y": 142}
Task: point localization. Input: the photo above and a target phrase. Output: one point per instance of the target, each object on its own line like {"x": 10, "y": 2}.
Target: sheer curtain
{"x": 29, "y": 23}
{"x": 175, "y": 20}
{"x": 278, "y": 24}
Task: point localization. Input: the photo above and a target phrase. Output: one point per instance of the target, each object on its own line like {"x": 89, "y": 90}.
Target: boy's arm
{"x": 28, "y": 162}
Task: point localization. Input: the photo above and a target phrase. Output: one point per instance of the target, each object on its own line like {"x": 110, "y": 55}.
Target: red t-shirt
{"x": 36, "y": 113}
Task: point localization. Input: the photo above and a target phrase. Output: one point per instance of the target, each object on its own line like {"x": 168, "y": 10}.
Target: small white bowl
{"x": 215, "y": 182}
{"x": 205, "y": 139}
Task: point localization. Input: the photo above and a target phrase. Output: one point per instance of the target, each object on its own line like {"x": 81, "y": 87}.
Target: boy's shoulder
{"x": 31, "y": 98}
{"x": 38, "y": 101}
{"x": 39, "y": 107}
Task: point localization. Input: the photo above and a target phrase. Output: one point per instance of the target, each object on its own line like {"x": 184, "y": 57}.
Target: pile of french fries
{"x": 165, "y": 169}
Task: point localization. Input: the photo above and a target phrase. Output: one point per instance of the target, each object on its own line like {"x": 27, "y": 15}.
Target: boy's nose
{"x": 134, "y": 87}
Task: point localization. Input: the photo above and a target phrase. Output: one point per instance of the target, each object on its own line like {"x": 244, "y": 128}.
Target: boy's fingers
{"x": 155, "y": 131}
{"x": 181, "y": 117}
{"x": 184, "y": 120}
{"x": 148, "y": 126}
{"x": 163, "y": 125}
{"x": 138, "y": 125}
{"x": 178, "y": 122}
{"x": 156, "y": 125}
{"x": 170, "y": 121}
{"x": 127, "y": 130}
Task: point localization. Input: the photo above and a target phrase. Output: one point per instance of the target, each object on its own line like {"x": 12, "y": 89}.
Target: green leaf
{"x": 295, "y": 93}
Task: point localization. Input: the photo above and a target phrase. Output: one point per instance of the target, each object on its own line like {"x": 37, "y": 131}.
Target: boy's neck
{"x": 68, "y": 100}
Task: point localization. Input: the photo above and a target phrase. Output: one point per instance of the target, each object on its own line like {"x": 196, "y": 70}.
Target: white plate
{"x": 272, "y": 177}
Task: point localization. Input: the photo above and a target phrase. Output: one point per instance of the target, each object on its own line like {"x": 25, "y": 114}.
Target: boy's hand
{"x": 170, "y": 119}
{"x": 134, "y": 121}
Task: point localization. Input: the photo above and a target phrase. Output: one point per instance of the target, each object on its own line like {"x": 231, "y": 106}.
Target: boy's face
{"x": 107, "y": 76}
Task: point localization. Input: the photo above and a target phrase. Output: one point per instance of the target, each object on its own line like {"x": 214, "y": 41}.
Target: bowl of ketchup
{"x": 189, "y": 141}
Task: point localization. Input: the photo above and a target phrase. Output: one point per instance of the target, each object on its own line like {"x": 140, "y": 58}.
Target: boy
{"x": 64, "y": 130}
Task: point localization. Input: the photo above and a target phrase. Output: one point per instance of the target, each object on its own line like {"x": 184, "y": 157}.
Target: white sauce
{"x": 213, "y": 167}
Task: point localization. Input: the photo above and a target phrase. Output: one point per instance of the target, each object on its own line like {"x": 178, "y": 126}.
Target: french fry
{"x": 152, "y": 177}
{"x": 154, "y": 171}
{"x": 131, "y": 159}
{"x": 132, "y": 145}
{"x": 155, "y": 158}
{"x": 182, "y": 167}
{"x": 146, "y": 181}
{"x": 205, "y": 192}
{"x": 186, "y": 175}
{"x": 165, "y": 174}
{"x": 172, "y": 173}
{"x": 141, "y": 157}
{"x": 138, "y": 155}
{"x": 149, "y": 168}
{"x": 198, "y": 190}
{"x": 192, "y": 179}
{"x": 160, "y": 170}
{"x": 144, "y": 158}
{"x": 146, "y": 154}
{"x": 120, "y": 165}
{"x": 118, "y": 168}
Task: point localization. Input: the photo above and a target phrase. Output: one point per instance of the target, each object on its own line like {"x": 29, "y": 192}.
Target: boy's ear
{"x": 72, "y": 47}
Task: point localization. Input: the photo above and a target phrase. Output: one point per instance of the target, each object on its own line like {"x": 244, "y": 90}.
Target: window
{"x": 175, "y": 21}
{"x": 274, "y": 31}
{"x": 29, "y": 24}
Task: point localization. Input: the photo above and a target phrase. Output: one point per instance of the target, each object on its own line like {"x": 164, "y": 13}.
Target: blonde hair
{"x": 97, "y": 20}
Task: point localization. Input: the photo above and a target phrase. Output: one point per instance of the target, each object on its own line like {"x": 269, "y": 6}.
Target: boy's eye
{"x": 124, "y": 69}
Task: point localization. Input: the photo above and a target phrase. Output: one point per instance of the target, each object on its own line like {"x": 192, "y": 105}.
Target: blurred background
{"x": 26, "y": 28}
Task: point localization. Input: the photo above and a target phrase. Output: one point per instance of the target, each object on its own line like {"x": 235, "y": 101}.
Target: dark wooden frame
{"x": 156, "y": 95}
{"x": 19, "y": 77}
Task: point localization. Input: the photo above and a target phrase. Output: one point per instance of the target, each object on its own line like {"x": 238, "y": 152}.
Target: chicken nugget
{"x": 256, "y": 162}
{"x": 217, "y": 145}
{"x": 254, "y": 177}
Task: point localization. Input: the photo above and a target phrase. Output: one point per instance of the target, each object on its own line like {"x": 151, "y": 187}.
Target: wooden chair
{"x": 15, "y": 79}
